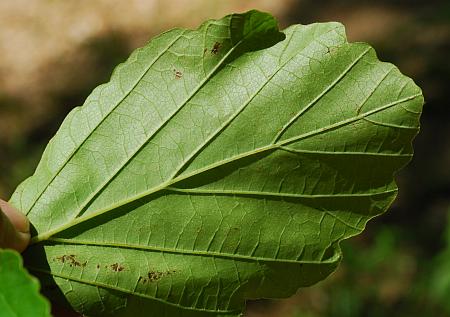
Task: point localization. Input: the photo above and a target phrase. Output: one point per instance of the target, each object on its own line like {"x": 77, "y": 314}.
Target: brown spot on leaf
{"x": 71, "y": 259}
{"x": 142, "y": 279}
{"x": 178, "y": 74}
{"x": 116, "y": 267}
{"x": 154, "y": 276}
{"x": 216, "y": 48}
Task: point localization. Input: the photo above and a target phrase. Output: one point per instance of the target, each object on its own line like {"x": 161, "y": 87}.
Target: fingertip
{"x": 22, "y": 241}
{"x": 18, "y": 219}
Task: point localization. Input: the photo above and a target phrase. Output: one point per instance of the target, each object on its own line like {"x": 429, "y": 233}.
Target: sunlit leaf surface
{"x": 217, "y": 165}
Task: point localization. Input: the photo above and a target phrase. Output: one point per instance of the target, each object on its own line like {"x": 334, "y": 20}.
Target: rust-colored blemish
{"x": 153, "y": 276}
{"x": 216, "y": 48}
{"x": 116, "y": 267}
{"x": 178, "y": 74}
{"x": 71, "y": 259}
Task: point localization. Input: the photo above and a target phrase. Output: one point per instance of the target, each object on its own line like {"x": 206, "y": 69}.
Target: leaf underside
{"x": 218, "y": 165}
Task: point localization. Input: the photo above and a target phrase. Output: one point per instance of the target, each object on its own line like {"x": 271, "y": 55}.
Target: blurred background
{"x": 53, "y": 53}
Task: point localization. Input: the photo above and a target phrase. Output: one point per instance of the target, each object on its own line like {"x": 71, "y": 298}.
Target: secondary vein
{"x": 71, "y": 155}
{"x": 44, "y": 236}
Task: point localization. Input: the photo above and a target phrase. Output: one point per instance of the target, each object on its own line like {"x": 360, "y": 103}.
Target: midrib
{"x": 138, "y": 149}
{"x": 46, "y": 235}
{"x": 100, "y": 188}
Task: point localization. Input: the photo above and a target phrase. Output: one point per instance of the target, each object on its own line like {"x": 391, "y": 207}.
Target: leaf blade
{"x": 202, "y": 206}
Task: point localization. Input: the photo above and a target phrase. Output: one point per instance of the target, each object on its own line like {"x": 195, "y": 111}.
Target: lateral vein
{"x": 164, "y": 185}
{"x": 71, "y": 155}
{"x": 332, "y": 259}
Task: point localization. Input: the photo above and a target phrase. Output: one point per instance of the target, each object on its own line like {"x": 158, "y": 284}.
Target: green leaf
{"x": 19, "y": 292}
{"x": 218, "y": 165}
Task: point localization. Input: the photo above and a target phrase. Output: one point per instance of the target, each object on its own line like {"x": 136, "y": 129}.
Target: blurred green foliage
{"x": 386, "y": 279}
{"x": 439, "y": 281}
